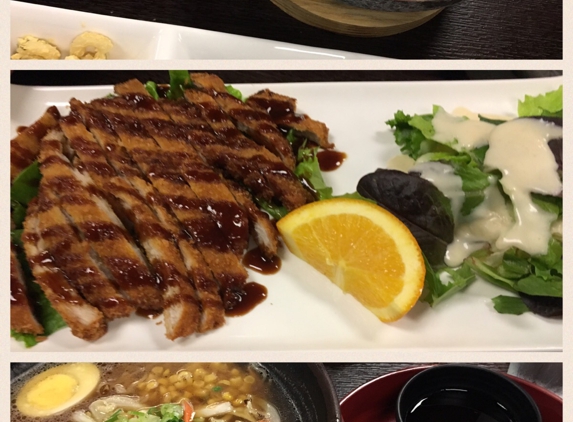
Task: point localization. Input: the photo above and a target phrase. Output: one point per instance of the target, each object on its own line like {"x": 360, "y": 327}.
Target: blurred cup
{"x": 546, "y": 375}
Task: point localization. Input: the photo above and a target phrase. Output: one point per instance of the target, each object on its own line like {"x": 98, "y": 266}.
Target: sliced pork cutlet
{"x": 180, "y": 308}
{"x": 213, "y": 194}
{"x": 76, "y": 258}
{"x": 263, "y": 230}
{"x": 22, "y": 319}
{"x": 255, "y": 123}
{"x": 167, "y": 179}
{"x": 286, "y": 187}
{"x": 237, "y": 161}
{"x": 24, "y": 148}
{"x": 207, "y": 289}
{"x": 166, "y": 132}
{"x": 282, "y": 111}
{"x": 85, "y": 320}
{"x": 96, "y": 222}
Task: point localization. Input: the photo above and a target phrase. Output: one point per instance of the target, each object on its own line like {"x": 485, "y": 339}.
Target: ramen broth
{"x": 153, "y": 384}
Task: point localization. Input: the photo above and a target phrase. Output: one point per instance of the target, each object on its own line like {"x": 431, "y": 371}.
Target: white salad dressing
{"x": 468, "y": 133}
{"x": 443, "y": 177}
{"x": 486, "y": 223}
{"x": 520, "y": 150}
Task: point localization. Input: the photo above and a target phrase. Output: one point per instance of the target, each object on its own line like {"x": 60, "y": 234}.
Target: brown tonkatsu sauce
{"x": 254, "y": 294}
{"x": 279, "y": 111}
{"x": 330, "y": 160}
{"x": 255, "y": 260}
{"x": 21, "y": 129}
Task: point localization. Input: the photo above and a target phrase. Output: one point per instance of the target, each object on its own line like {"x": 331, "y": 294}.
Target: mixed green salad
{"x": 534, "y": 282}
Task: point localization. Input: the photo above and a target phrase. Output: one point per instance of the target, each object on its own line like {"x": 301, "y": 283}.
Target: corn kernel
{"x": 166, "y": 372}
{"x": 184, "y": 375}
{"x": 157, "y": 370}
{"x": 173, "y": 378}
{"x": 151, "y": 385}
{"x": 180, "y": 385}
{"x": 235, "y": 372}
{"x": 163, "y": 381}
{"x": 171, "y": 388}
{"x": 167, "y": 398}
{"x": 249, "y": 379}
{"x": 199, "y": 383}
{"x": 225, "y": 382}
{"x": 162, "y": 389}
{"x": 201, "y": 393}
{"x": 199, "y": 373}
{"x": 210, "y": 377}
{"x": 236, "y": 381}
{"x": 227, "y": 396}
{"x": 187, "y": 394}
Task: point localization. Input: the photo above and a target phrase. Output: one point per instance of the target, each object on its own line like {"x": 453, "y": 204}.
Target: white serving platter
{"x": 142, "y": 40}
{"x": 304, "y": 311}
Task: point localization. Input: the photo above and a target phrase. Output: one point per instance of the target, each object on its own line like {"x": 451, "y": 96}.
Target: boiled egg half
{"x": 57, "y": 389}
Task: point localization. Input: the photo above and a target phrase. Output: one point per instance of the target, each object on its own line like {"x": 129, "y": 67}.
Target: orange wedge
{"x": 363, "y": 249}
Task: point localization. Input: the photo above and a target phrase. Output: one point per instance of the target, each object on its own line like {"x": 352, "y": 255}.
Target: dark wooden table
{"x": 99, "y": 77}
{"x": 471, "y": 29}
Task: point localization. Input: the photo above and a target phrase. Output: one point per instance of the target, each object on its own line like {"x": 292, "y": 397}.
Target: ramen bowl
{"x": 277, "y": 392}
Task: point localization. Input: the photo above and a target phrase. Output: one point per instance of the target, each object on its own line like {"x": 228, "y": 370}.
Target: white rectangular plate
{"x": 304, "y": 311}
{"x": 141, "y": 40}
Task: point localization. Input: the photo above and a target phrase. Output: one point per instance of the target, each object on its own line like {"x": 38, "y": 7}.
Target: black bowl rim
{"x": 404, "y": 5}
{"x": 493, "y": 374}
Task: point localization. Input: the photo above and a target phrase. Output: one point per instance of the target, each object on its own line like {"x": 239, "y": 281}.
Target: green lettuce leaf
{"x": 25, "y": 186}
{"x": 151, "y": 88}
{"x": 235, "y": 92}
{"x": 509, "y": 305}
{"x": 179, "y": 81}
{"x": 549, "y": 104}
{"x": 455, "y": 280}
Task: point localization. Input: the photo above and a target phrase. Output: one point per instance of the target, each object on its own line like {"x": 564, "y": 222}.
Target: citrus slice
{"x": 363, "y": 249}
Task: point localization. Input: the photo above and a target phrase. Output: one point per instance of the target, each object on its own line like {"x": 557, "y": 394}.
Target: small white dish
{"x": 142, "y": 40}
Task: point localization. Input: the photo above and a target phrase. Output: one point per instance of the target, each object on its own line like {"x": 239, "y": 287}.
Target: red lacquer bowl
{"x": 375, "y": 401}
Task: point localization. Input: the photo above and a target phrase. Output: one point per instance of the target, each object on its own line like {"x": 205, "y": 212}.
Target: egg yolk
{"x": 53, "y": 391}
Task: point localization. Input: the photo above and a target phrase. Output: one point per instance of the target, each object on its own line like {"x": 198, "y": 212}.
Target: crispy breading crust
{"x": 24, "y": 148}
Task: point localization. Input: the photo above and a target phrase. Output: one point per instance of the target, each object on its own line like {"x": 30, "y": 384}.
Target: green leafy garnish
{"x": 235, "y": 92}
{"x": 275, "y": 211}
{"x": 217, "y": 388}
{"x": 25, "y": 186}
{"x": 549, "y": 104}
{"x": 151, "y": 88}
{"x": 179, "y": 81}
{"x": 509, "y": 305}
{"x": 29, "y": 340}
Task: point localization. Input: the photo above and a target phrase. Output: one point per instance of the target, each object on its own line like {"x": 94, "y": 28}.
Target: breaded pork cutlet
{"x": 209, "y": 187}
{"x": 24, "y": 148}
{"x": 286, "y": 187}
{"x": 168, "y": 132}
{"x": 255, "y": 123}
{"x": 96, "y": 222}
{"x": 163, "y": 172}
{"x": 85, "y": 320}
{"x": 76, "y": 260}
{"x": 282, "y": 111}
{"x": 22, "y": 318}
{"x": 206, "y": 286}
{"x": 180, "y": 308}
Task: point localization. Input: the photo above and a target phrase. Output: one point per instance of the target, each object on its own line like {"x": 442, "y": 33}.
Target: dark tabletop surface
{"x": 471, "y": 29}
{"x": 58, "y": 78}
